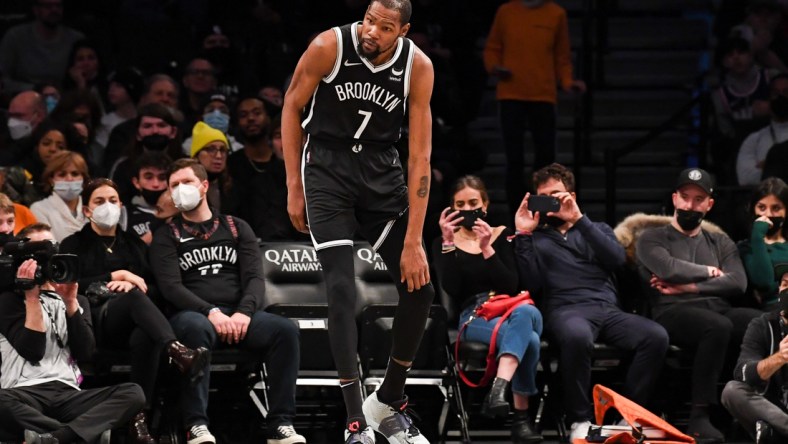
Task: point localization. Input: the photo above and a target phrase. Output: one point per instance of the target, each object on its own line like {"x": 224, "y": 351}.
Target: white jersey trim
{"x": 384, "y": 234}
{"x": 333, "y": 243}
{"x": 311, "y": 109}
{"x": 373, "y": 68}
{"x": 338, "y": 62}
{"x": 409, "y": 69}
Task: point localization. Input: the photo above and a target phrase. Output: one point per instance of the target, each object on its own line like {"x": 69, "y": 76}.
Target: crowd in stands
{"x": 122, "y": 148}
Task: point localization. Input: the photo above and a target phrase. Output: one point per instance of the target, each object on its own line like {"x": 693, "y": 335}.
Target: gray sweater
{"x": 680, "y": 259}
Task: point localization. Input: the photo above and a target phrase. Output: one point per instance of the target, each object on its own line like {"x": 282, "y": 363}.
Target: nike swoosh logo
{"x": 348, "y": 63}
{"x": 397, "y": 73}
{"x": 186, "y": 239}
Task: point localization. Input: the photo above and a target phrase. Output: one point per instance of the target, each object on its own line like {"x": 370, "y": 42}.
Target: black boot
{"x": 189, "y": 361}
{"x": 495, "y": 403}
{"x": 522, "y": 429}
{"x": 765, "y": 434}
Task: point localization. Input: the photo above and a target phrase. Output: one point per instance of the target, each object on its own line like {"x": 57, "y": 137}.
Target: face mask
{"x": 106, "y": 215}
{"x": 470, "y": 216}
{"x": 19, "y": 128}
{"x": 68, "y": 190}
{"x": 186, "y": 197}
{"x": 779, "y": 106}
{"x": 156, "y": 142}
{"x": 689, "y": 220}
{"x": 217, "y": 120}
{"x": 777, "y": 224}
{"x": 51, "y": 103}
{"x": 553, "y": 221}
{"x": 151, "y": 197}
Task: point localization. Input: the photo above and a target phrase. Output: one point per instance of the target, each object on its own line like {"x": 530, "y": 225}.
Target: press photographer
{"x": 45, "y": 330}
{"x": 758, "y": 395}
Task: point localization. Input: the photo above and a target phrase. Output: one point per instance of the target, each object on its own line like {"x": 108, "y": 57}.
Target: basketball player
{"x": 354, "y": 84}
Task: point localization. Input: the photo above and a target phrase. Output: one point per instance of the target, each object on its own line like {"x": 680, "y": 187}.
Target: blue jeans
{"x": 518, "y": 336}
{"x": 274, "y": 337}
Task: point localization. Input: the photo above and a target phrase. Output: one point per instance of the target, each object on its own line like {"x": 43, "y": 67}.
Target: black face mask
{"x": 779, "y": 106}
{"x": 552, "y": 221}
{"x": 689, "y": 220}
{"x": 151, "y": 197}
{"x": 469, "y": 217}
{"x": 156, "y": 142}
{"x": 777, "y": 224}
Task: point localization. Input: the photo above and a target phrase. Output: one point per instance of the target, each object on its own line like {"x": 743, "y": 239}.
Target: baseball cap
{"x": 698, "y": 177}
{"x": 780, "y": 270}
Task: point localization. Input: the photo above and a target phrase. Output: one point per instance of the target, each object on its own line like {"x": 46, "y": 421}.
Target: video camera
{"x": 51, "y": 265}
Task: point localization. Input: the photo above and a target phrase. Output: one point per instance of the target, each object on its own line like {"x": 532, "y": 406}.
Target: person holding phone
{"x": 571, "y": 261}
{"x": 474, "y": 260}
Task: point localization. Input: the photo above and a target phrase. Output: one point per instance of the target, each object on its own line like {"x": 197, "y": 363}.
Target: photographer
{"x": 45, "y": 330}
{"x": 757, "y": 395}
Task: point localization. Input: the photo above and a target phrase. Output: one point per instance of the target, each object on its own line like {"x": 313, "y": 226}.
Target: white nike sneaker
{"x": 392, "y": 421}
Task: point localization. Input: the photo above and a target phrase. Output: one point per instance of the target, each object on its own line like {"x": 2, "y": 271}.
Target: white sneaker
{"x": 578, "y": 430}
{"x": 285, "y": 434}
{"x": 198, "y": 434}
{"x": 366, "y": 436}
{"x": 392, "y": 421}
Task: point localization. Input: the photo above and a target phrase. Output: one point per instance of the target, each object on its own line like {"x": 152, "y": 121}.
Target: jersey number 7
{"x": 367, "y": 115}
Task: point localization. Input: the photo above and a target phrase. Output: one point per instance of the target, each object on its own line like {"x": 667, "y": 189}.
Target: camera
{"x": 51, "y": 265}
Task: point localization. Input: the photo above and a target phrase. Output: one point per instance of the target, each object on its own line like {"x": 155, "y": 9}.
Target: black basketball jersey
{"x": 359, "y": 102}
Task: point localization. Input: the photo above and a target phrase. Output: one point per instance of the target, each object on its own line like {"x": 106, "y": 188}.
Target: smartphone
{"x": 543, "y": 204}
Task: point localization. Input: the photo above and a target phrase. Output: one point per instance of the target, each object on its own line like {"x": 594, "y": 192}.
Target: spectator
{"x": 157, "y": 130}
{"x": 232, "y": 73}
{"x": 210, "y": 148}
{"x": 25, "y": 112}
{"x": 62, "y": 210}
{"x": 571, "y": 261}
{"x": 125, "y": 90}
{"x": 694, "y": 273}
{"x": 756, "y": 396}
{"x": 159, "y": 88}
{"x": 199, "y": 81}
{"x": 223, "y": 305}
{"x": 767, "y": 245}
{"x": 273, "y": 98}
{"x": 761, "y": 27}
{"x": 117, "y": 260}
{"x": 475, "y": 260}
{"x": 259, "y": 175}
{"x": 752, "y": 154}
{"x": 528, "y": 51}
{"x": 741, "y": 103}
{"x": 46, "y": 331}
{"x": 37, "y": 52}
{"x": 13, "y": 217}
{"x": 48, "y": 139}
{"x": 86, "y": 71}
{"x": 276, "y": 137}
{"x": 216, "y": 114}
{"x": 50, "y": 94}
{"x": 150, "y": 181}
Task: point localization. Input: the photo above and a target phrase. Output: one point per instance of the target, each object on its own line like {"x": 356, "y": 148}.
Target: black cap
{"x": 780, "y": 270}
{"x": 698, "y": 177}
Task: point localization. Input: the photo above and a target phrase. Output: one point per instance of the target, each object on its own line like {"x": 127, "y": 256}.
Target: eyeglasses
{"x": 214, "y": 150}
{"x": 199, "y": 72}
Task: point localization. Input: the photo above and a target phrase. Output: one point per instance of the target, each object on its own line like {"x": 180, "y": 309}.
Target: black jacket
{"x": 762, "y": 340}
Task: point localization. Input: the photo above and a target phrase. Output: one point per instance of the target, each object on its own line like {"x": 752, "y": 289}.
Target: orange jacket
{"x": 22, "y": 217}
{"x": 534, "y": 45}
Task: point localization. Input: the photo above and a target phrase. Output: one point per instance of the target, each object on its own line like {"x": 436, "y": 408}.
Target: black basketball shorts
{"x": 351, "y": 186}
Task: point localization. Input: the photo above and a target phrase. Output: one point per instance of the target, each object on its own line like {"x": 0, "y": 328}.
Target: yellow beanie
{"x": 203, "y": 134}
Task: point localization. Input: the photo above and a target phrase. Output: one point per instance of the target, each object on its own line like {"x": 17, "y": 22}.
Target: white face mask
{"x": 106, "y": 215}
{"x": 186, "y": 197}
{"x": 19, "y": 128}
{"x": 68, "y": 190}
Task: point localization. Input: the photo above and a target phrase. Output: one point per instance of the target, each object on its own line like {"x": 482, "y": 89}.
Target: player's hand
{"x": 448, "y": 223}
{"x": 414, "y": 270}
{"x": 223, "y": 325}
{"x": 241, "y": 325}
{"x": 525, "y": 219}
{"x": 569, "y": 210}
{"x": 296, "y": 207}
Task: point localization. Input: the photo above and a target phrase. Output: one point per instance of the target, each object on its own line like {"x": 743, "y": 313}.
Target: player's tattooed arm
{"x": 424, "y": 186}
